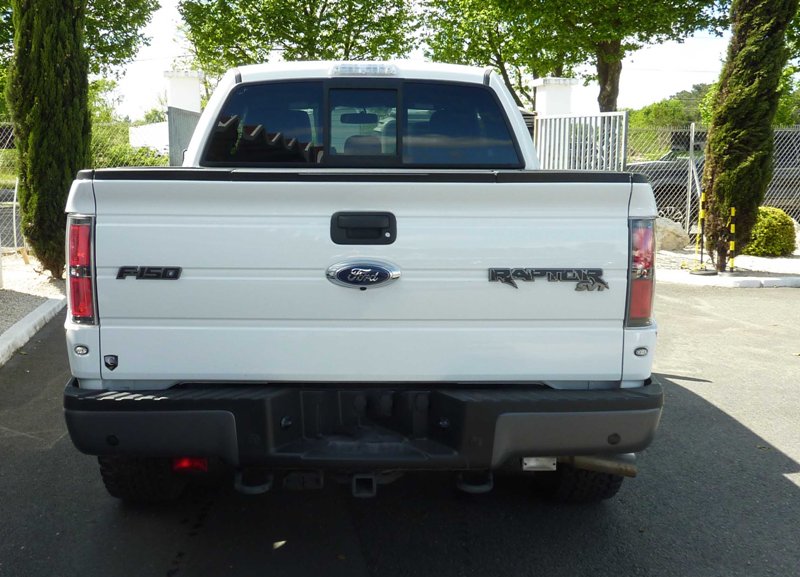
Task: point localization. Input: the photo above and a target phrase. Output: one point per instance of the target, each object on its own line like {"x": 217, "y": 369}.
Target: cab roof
{"x": 405, "y": 69}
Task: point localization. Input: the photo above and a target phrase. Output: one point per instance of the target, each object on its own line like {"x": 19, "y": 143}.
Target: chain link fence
{"x": 110, "y": 147}
{"x": 10, "y": 236}
{"x": 673, "y": 160}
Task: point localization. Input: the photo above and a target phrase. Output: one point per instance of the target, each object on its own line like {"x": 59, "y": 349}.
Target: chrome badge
{"x": 363, "y": 274}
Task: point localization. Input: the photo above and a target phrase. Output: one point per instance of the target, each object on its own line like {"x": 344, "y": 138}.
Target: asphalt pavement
{"x": 718, "y": 493}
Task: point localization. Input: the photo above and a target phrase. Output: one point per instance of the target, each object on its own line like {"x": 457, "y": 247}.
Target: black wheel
{"x": 140, "y": 479}
{"x": 571, "y": 485}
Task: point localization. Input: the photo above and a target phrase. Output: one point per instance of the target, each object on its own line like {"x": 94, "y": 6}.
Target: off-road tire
{"x": 571, "y": 485}
{"x": 140, "y": 480}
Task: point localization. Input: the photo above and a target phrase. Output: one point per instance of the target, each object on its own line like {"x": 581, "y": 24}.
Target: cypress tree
{"x": 739, "y": 151}
{"x": 47, "y": 92}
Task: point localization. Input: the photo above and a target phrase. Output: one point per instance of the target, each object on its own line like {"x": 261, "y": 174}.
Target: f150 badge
{"x": 363, "y": 274}
{"x": 150, "y": 272}
{"x": 586, "y": 279}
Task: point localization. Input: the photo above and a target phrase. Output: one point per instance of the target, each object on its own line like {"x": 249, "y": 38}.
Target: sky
{"x": 648, "y": 75}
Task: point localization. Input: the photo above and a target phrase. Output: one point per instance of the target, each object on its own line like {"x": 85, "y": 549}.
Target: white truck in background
{"x": 360, "y": 271}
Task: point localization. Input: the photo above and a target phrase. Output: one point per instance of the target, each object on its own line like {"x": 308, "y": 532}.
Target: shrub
{"x": 772, "y": 235}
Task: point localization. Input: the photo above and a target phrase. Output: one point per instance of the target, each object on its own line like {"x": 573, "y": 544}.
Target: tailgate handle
{"x": 363, "y": 228}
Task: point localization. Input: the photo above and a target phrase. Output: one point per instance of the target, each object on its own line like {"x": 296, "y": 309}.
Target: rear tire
{"x": 571, "y": 485}
{"x": 140, "y": 479}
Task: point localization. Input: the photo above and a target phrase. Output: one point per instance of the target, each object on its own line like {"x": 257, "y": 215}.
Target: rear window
{"x": 314, "y": 123}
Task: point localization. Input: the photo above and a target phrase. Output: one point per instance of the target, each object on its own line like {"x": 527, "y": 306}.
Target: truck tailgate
{"x": 253, "y": 302}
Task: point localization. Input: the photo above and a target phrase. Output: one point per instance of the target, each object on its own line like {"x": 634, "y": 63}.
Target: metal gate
{"x": 181, "y": 127}
{"x": 570, "y": 142}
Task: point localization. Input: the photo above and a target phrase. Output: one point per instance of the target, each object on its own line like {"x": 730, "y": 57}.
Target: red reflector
{"x": 182, "y": 464}
{"x": 80, "y": 245}
{"x": 641, "y": 306}
{"x": 81, "y": 300}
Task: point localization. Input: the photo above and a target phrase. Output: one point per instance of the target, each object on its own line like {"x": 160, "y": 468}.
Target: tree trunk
{"x": 739, "y": 152}
{"x": 507, "y": 81}
{"x": 609, "y": 68}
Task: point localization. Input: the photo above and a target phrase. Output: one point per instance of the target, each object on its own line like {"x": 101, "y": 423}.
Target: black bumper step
{"x": 362, "y": 426}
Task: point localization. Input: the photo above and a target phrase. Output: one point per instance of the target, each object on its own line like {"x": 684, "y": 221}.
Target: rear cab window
{"x": 362, "y": 124}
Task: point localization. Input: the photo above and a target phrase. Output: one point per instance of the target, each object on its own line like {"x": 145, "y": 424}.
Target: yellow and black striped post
{"x": 732, "y": 239}
{"x": 700, "y": 242}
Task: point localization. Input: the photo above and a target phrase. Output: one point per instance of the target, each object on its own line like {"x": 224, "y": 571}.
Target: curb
{"x": 21, "y": 331}
{"x": 725, "y": 280}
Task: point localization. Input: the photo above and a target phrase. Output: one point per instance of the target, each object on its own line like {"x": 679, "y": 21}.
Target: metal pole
{"x": 624, "y": 140}
{"x": 14, "y": 208}
{"x": 690, "y": 166}
{"x": 700, "y": 242}
{"x": 732, "y": 245}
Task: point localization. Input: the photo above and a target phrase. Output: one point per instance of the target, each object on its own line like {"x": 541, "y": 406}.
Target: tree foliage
{"x": 154, "y": 115}
{"x": 483, "y": 33}
{"x": 102, "y": 102}
{"x": 608, "y": 30}
{"x": 113, "y": 31}
{"x": 788, "y": 111}
{"x": 47, "y": 93}
{"x": 738, "y": 164}
{"x": 227, "y": 33}
{"x": 680, "y": 109}
{"x": 112, "y": 35}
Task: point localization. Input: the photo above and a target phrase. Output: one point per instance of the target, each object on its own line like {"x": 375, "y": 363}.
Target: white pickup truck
{"x": 360, "y": 271}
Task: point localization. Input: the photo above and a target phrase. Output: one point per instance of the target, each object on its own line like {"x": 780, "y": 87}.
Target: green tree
{"x": 788, "y": 112}
{"x": 664, "y": 113}
{"x": 482, "y": 33}
{"x": 112, "y": 35}
{"x": 680, "y": 109}
{"x": 227, "y": 33}
{"x": 102, "y": 101}
{"x": 47, "y": 93}
{"x": 609, "y": 30}
{"x": 738, "y": 164}
{"x": 155, "y": 115}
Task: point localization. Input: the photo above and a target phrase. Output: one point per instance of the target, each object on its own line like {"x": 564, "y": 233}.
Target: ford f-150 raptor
{"x": 359, "y": 271}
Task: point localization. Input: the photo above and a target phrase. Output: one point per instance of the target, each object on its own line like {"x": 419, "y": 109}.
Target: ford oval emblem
{"x": 363, "y": 274}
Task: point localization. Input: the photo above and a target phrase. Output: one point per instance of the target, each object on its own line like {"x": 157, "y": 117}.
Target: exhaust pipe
{"x": 253, "y": 481}
{"x": 475, "y": 482}
{"x": 623, "y": 465}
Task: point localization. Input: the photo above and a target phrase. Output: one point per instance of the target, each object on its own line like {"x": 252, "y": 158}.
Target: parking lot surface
{"x": 718, "y": 493}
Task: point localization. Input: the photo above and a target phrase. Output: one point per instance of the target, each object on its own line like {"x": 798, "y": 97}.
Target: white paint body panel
{"x": 253, "y": 302}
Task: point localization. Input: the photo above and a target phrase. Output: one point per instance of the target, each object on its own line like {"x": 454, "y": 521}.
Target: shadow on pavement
{"x": 712, "y": 499}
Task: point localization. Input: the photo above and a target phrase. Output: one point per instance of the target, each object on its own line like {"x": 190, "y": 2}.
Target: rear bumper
{"x": 363, "y": 427}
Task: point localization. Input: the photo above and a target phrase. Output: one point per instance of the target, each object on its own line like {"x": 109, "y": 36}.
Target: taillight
{"x": 643, "y": 268}
{"x": 191, "y": 464}
{"x": 81, "y": 283}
